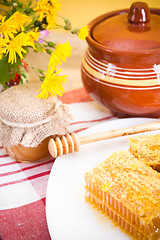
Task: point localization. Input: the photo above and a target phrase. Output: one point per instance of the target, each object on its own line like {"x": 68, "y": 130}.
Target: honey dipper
{"x": 71, "y": 142}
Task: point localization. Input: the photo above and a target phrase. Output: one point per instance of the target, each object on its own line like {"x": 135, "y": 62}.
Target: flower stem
{"x": 1, "y": 9}
{"x": 49, "y": 43}
{"x": 36, "y": 69}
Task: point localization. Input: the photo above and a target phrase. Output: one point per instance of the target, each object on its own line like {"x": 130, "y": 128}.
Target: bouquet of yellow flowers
{"x": 21, "y": 28}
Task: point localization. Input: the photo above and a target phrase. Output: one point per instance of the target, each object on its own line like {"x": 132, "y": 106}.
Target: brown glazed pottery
{"x": 121, "y": 67}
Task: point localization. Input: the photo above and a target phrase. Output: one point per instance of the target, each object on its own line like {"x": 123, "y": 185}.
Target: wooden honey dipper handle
{"x": 71, "y": 142}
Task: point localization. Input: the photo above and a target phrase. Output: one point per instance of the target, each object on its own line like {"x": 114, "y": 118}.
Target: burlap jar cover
{"x": 27, "y": 120}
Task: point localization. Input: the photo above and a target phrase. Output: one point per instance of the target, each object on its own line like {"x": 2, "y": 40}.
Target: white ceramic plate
{"x": 69, "y": 216}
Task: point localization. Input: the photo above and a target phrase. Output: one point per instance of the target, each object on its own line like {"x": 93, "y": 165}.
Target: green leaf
{"x": 4, "y": 71}
{"x": 8, "y": 70}
{"x": 29, "y": 3}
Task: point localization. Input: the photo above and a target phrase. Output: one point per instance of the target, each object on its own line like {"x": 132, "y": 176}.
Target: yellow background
{"x": 83, "y": 11}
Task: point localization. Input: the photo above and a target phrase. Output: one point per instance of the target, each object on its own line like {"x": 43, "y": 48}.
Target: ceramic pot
{"x": 121, "y": 67}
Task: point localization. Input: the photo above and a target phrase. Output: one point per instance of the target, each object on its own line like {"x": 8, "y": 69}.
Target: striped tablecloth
{"x": 23, "y": 185}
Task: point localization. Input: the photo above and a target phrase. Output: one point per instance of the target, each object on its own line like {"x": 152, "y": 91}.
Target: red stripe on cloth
{"x": 27, "y": 222}
{"x": 24, "y": 169}
{"x": 26, "y": 179}
{"x": 90, "y": 121}
{"x": 9, "y": 163}
{"x": 79, "y": 130}
{"x": 4, "y": 155}
{"x": 44, "y": 200}
{"x": 77, "y": 95}
{"x": 1, "y": 147}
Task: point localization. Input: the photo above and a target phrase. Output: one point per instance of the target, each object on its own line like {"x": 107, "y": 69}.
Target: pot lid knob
{"x": 139, "y": 12}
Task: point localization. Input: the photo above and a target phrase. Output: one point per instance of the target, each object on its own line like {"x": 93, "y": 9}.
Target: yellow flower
{"x": 41, "y": 8}
{"x": 19, "y": 20}
{"x": 3, "y": 42}
{"x": 48, "y": 9}
{"x": 15, "y": 46}
{"x": 52, "y": 85}
{"x": 83, "y": 32}
{"x": 3, "y": 45}
{"x": 7, "y": 28}
{"x": 32, "y": 37}
{"x": 51, "y": 20}
{"x": 55, "y": 4}
{"x": 46, "y": 6}
{"x": 61, "y": 52}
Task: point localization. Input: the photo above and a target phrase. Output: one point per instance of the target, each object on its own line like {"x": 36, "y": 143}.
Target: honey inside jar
{"x": 29, "y": 154}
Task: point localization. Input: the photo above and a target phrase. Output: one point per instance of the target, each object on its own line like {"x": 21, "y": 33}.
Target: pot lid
{"x": 138, "y": 29}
